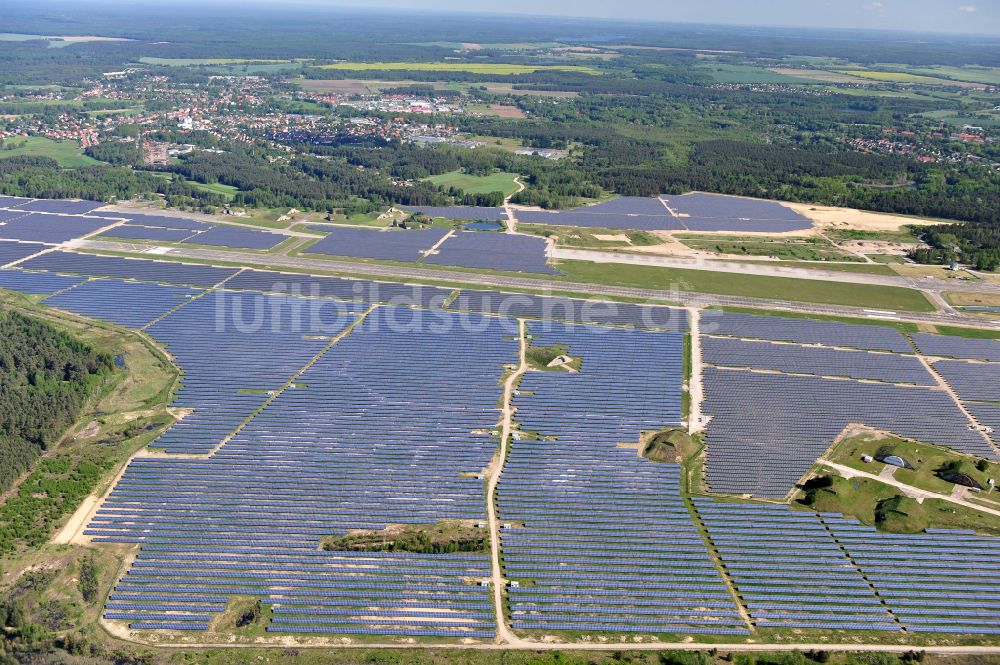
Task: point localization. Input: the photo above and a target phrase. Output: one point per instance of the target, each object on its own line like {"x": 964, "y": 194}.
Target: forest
{"x": 46, "y": 377}
{"x": 977, "y": 245}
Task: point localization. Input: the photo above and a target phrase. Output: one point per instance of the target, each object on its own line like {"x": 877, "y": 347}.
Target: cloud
{"x": 876, "y": 6}
{"x": 968, "y": 9}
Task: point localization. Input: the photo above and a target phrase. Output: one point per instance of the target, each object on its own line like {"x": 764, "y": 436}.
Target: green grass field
{"x": 752, "y": 286}
{"x": 67, "y": 154}
{"x": 499, "y": 68}
{"x": 470, "y": 184}
{"x": 217, "y": 188}
{"x": 799, "y": 249}
{"x": 863, "y": 268}
{"x": 969, "y": 73}
{"x": 724, "y": 73}
{"x": 925, "y": 458}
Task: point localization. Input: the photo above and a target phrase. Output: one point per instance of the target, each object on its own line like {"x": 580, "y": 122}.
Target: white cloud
{"x": 968, "y": 9}
{"x": 875, "y": 7}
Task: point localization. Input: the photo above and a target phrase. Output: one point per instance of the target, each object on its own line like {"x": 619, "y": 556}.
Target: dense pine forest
{"x": 46, "y": 376}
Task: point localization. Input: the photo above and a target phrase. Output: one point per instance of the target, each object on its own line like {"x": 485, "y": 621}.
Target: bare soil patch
{"x": 505, "y": 111}
{"x": 846, "y": 218}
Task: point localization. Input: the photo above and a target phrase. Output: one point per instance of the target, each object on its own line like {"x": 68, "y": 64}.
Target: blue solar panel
{"x": 92, "y": 265}
{"x": 129, "y": 232}
{"x": 462, "y": 212}
{"x": 384, "y": 245}
{"x": 50, "y": 228}
{"x": 241, "y": 238}
{"x": 496, "y": 251}
{"x": 715, "y": 212}
{"x": 62, "y": 207}
{"x": 161, "y": 221}
{"x": 131, "y": 304}
{"x": 12, "y": 201}
{"x": 35, "y": 282}
{"x": 11, "y": 252}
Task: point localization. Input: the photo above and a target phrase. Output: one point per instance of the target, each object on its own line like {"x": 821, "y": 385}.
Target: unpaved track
{"x": 914, "y": 492}
{"x": 511, "y": 216}
{"x": 696, "y": 391}
{"x": 497, "y": 581}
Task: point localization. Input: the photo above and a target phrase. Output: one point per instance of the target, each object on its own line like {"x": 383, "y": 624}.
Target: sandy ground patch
{"x": 846, "y": 218}
{"x": 613, "y": 237}
{"x": 878, "y": 247}
{"x": 670, "y": 246}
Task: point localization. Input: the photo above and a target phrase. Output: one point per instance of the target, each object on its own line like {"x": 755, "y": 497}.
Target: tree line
{"x": 46, "y": 376}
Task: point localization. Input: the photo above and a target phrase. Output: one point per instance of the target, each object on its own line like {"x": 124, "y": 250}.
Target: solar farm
{"x": 315, "y": 412}
{"x": 465, "y": 249}
{"x": 688, "y": 212}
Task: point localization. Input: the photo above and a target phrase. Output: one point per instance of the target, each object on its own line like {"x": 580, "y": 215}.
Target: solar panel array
{"x": 805, "y": 570}
{"x": 12, "y": 201}
{"x": 129, "y": 232}
{"x": 600, "y": 538}
{"x": 383, "y": 245}
{"x": 804, "y": 331}
{"x": 359, "y": 444}
{"x": 608, "y": 216}
{"x": 957, "y": 347}
{"x": 550, "y": 308}
{"x": 496, "y": 251}
{"x": 789, "y": 570}
{"x": 987, "y": 415}
{"x": 462, "y": 212}
{"x": 714, "y": 212}
{"x": 789, "y": 358}
{"x": 180, "y": 230}
{"x": 340, "y": 288}
{"x": 768, "y": 429}
{"x": 52, "y": 229}
{"x": 37, "y": 283}
{"x": 7, "y": 215}
{"x": 971, "y": 381}
{"x": 130, "y": 304}
{"x": 12, "y": 252}
{"x": 92, "y": 265}
{"x": 942, "y": 581}
{"x": 232, "y": 236}
{"x": 233, "y": 349}
{"x": 61, "y": 207}
{"x": 161, "y": 221}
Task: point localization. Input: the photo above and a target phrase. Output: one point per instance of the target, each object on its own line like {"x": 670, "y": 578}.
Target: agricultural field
{"x": 67, "y": 154}
{"x": 901, "y": 77}
{"x": 469, "y": 67}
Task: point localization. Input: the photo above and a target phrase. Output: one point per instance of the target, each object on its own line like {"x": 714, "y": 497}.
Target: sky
{"x": 954, "y": 16}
